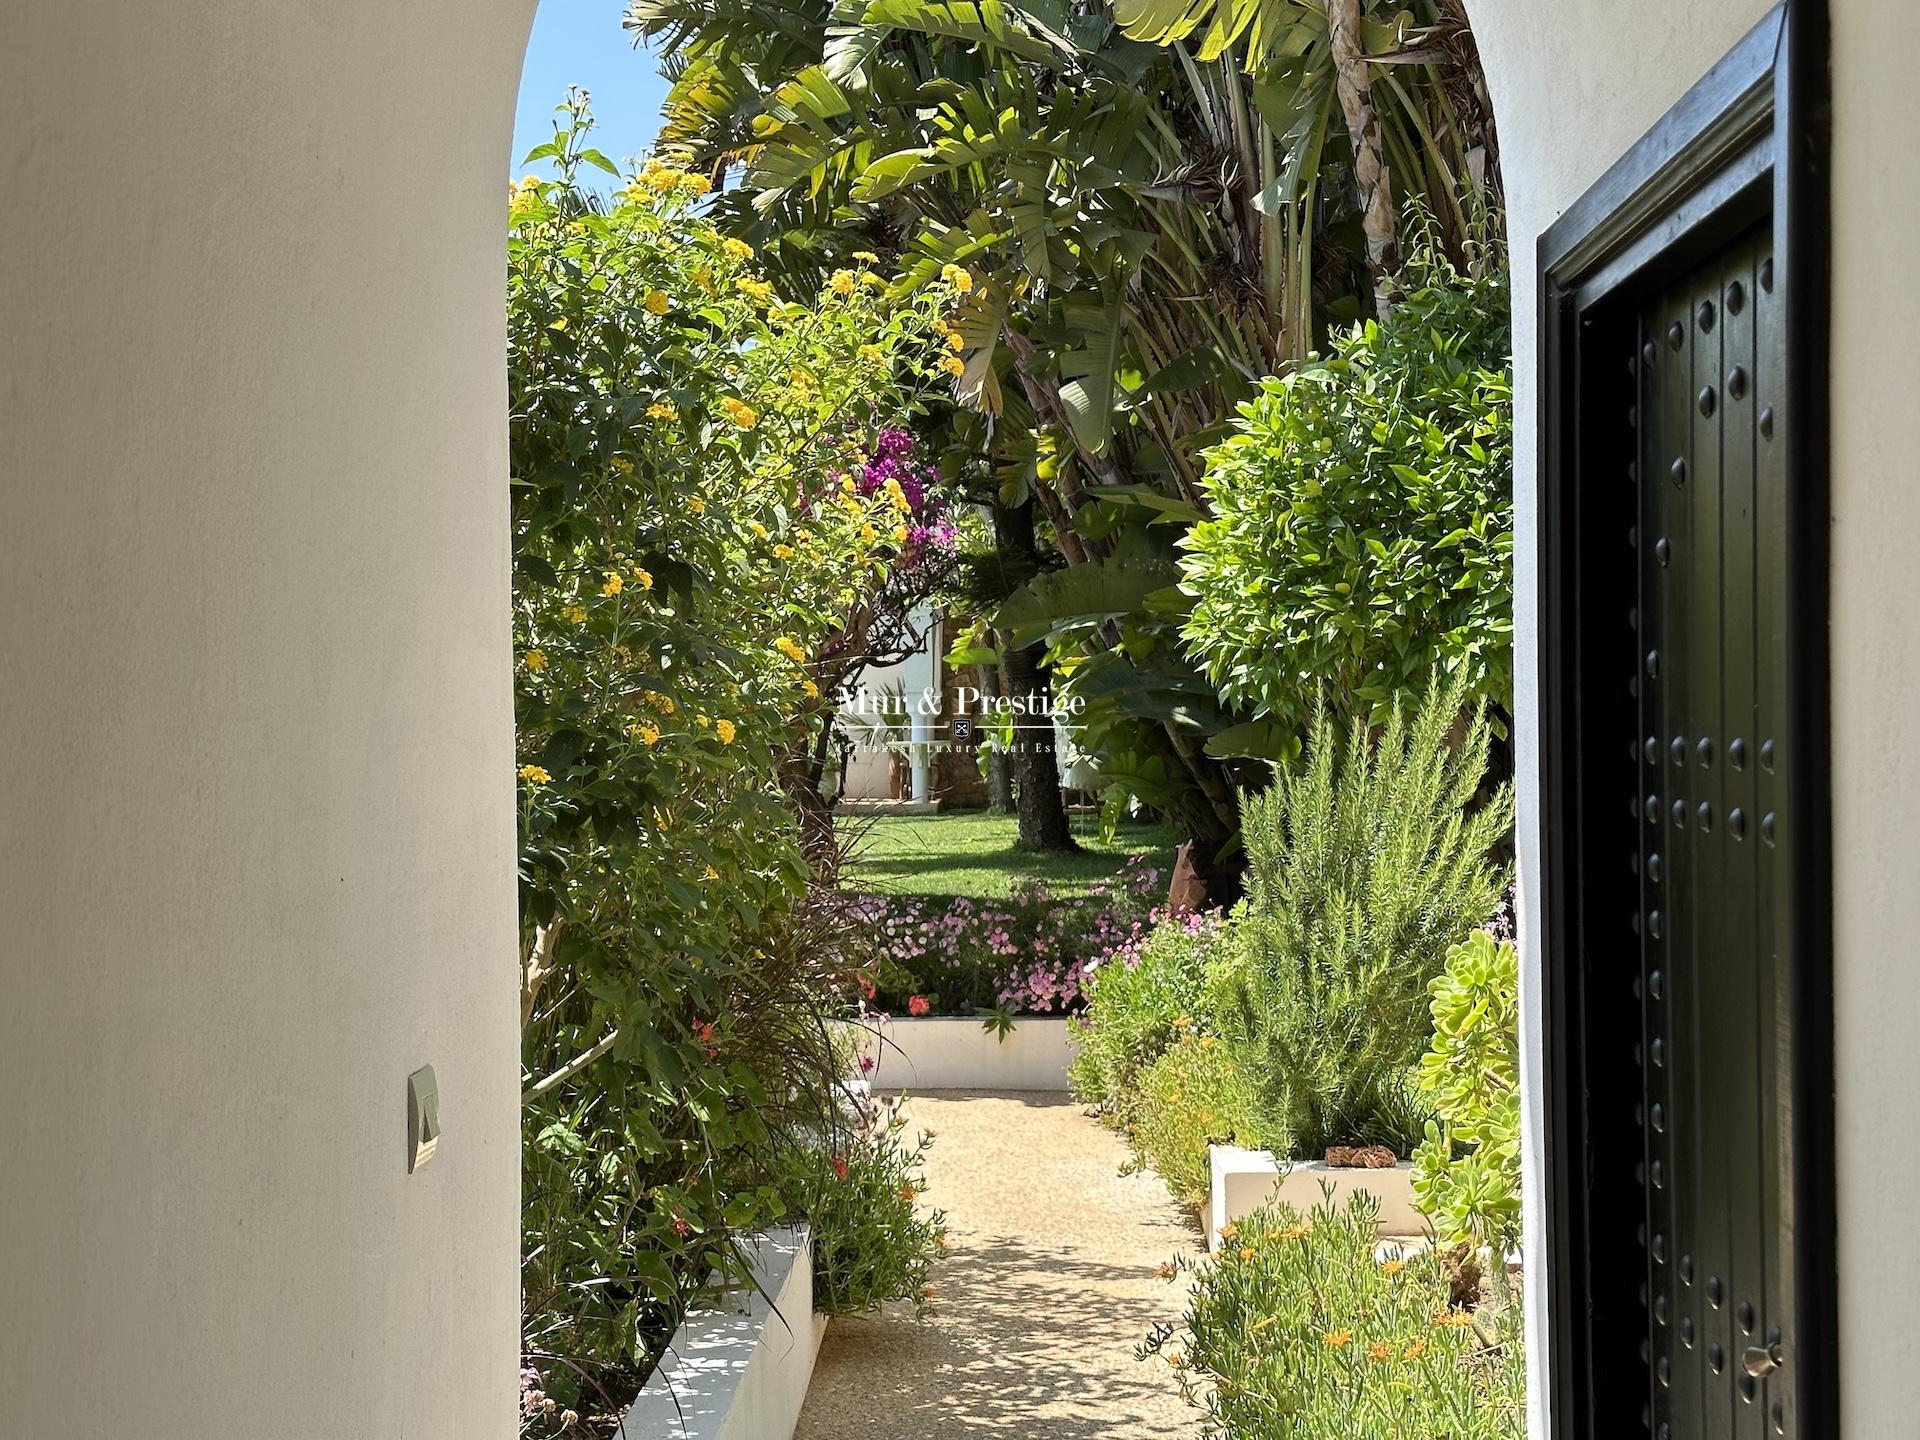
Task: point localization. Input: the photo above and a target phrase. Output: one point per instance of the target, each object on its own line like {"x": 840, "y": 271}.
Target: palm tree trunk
{"x": 1355, "y": 90}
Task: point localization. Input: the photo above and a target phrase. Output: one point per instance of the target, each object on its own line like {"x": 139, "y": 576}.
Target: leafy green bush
{"x": 1466, "y": 1173}
{"x": 1361, "y": 534}
{"x": 1297, "y": 1330}
{"x": 1365, "y": 865}
{"x": 1140, "y": 998}
{"x": 1193, "y": 1096}
{"x": 871, "y": 1242}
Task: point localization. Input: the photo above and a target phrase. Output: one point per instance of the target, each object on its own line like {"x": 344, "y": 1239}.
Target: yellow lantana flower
{"x": 791, "y": 648}
{"x": 657, "y": 302}
{"x": 783, "y": 552}
{"x": 738, "y": 249}
{"x": 662, "y": 410}
{"x": 739, "y": 412}
{"x": 866, "y": 257}
{"x": 696, "y": 505}
{"x": 576, "y": 613}
{"x": 954, "y": 365}
{"x": 872, "y": 353}
{"x": 724, "y": 729}
{"x": 957, "y": 276}
{"x": 646, "y": 580}
{"x": 955, "y": 341}
{"x": 755, "y": 289}
{"x": 614, "y": 584}
{"x": 646, "y": 734}
{"x": 759, "y": 530}
{"x": 534, "y": 774}
{"x": 813, "y": 690}
{"x": 874, "y": 281}
{"x": 842, "y": 282}
{"x": 536, "y": 660}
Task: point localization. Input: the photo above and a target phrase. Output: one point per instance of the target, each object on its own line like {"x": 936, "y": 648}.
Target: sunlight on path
{"x": 1048, "y": 1286}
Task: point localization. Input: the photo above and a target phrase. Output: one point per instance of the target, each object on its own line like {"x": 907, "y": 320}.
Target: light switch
{"x": 423, "y": 1117}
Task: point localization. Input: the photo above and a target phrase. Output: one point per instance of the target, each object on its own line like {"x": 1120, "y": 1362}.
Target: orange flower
{"x": 1337, "y": 1339}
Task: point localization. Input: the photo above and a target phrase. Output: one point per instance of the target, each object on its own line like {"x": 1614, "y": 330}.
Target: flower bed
{"x": 1025, "y": 955}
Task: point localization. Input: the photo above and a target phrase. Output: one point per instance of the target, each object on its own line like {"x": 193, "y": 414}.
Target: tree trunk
{"x": 1035, "y": 769}
{"x": 1034, "y": 765}
{"x": 999, "y": 773}
{"x": 1355, "y": 89}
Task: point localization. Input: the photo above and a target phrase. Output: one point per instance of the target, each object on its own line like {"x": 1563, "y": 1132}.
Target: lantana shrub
{"x": 691, "y": 518}
{"x": 1304, "y": 1328}
{"x": 1027, "y": 954}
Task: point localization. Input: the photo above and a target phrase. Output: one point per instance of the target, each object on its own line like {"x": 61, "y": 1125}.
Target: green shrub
{"x": 1466, "y": 1173}
{"x": 1139, "y": 1000}
{"x": 1193, "y": 1096}
{"x": 1362, "y": 516}
{"x": 1364, "y": 868}
{"x": 871, "y": 1242}
{"x": 1297, "y": 1331}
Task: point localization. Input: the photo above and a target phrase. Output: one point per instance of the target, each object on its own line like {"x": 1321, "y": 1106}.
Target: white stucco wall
{"x": 256, "y": 832}
{"x": 1574, "y": 84}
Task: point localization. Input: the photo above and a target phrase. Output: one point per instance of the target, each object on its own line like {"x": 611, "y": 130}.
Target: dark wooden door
{"x": 1712, "y": 757}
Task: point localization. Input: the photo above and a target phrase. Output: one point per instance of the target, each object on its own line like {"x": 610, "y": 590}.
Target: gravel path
{"x": 1049, "y": 1285}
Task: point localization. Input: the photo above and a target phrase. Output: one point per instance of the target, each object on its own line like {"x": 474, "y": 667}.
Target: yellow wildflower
{"x": 614, "y": 584}
{"x": 711, "y": 873}
{"x": 908, "y": 1193}
{"x": 534, "y": 774}
{"x": 738, "y": 249}
{"x": 645, "y": 734}
{"x": 739, "y": 412}
{"x": 954, "y": 365}
{"x": 1246, "y": 1252}
{"x": 703, "y": 277}
{"x": 754, "y": 289}
{"x": 646, "y": 580}
{"x": 1394, "y": 1266}
{"x": 536, "y": 660}
{"x": 958, "y": 276}
{"x": 1416, "y": 1349}
{"x": 576, "y": 613}
{"x": 1176, "y": 1360}
{"x": 724, "y": 729}
{"x": 842, "y": 282}
{"x": 759, "y": 530}
{"x": 874, "y": 281}
{"x": 1181, "y": 1022}
{"x": 1295, "y": 1232}
{"x": 866, "y": 257}
{"x": 1206, "y": 1042}
{"x": 791, "y": 648}
{"x": 899, "y": 534}
{"x": 1337, "y": 1339}
{"x": 813, "y": 690}
{"x": 657, "y": 302}
{"x": 869, "y": 534}
{"x": 1229, "y": 1230}
{"x": 662, "y": 410}
{"x": 702, "y": 721}
{"x": 1379, "y": 1350}
{"x": 941, "y": 327}
{"x": 872, "y": 354}
{"x": 783, "y": 552}
{"x": 621, "y": 465}
{"x": 956, "y": 341}
{"x": 663, "y": 703}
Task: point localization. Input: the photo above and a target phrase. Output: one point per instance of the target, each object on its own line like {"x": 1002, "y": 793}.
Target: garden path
{"x": 1049, "y": 1284}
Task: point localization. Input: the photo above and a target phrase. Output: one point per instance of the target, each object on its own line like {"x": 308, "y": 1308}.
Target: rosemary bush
{"x": 1365, "y": 865}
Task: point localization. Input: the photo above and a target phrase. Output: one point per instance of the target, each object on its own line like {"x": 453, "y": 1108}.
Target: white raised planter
{"x": 942, "y": 1053}
{"x": 1244, "y": 1180}
{"x": 739, "y": 1371}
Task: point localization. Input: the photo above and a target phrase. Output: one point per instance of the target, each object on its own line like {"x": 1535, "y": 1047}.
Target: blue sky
{"x": 580, "y": 42}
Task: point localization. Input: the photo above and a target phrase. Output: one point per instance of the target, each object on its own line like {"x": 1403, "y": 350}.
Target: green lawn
{"x": 972, "y": 852}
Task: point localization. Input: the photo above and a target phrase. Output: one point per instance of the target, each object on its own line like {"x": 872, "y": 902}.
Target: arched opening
{"x": 258, "y": 844}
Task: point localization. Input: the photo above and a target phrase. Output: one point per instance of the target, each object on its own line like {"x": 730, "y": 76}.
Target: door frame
{"x": 1748, "y": 143}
